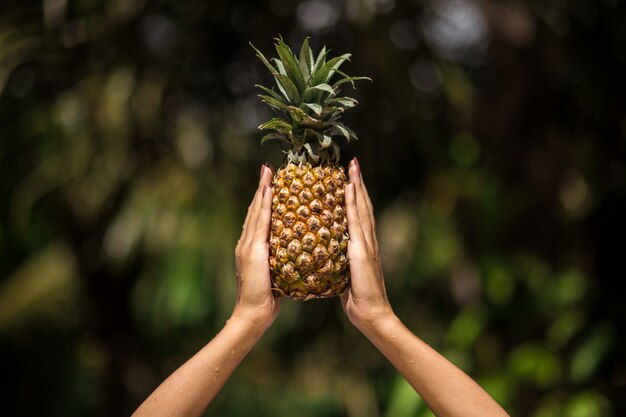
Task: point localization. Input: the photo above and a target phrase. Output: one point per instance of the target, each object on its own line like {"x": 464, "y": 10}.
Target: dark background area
{"x": 492, "y": 140}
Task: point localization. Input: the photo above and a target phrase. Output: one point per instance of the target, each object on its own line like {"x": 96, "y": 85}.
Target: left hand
{"x": 255, "y": 301}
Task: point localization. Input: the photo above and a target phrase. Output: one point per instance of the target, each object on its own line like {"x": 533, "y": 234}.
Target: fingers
{"x": 267, "y": 173}
{"x": 363, "y": 205}
{"x": 263, "y": 222}
{"x": 261, "y": 179}
{"x": 246, "y": 222}
{"x": 370, "y": 207}
{"x": 365, "y": 193}
{"x": 255, "y": 207}
{"x": 258, "y": 250}
{"x": 352, "y": 213}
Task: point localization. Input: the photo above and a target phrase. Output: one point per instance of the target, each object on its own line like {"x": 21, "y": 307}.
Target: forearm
{"x": 447, "y": 390}
{"x": 190, "y": 389}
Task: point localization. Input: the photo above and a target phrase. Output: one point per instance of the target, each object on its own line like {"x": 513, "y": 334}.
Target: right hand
{"x": 255, "y": 301}
{"x": 365, "y": 301}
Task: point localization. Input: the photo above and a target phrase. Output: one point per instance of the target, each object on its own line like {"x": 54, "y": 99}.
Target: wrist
{"x": 376, "y": 321}
{"x": 253, "y": 320}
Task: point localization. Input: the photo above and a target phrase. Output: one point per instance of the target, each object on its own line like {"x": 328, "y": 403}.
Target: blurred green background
{"x": 492, "y": 141}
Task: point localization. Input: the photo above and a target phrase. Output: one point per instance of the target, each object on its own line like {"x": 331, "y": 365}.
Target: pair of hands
{"x": 447, "y": 390}
{"x": 364, "y": 302}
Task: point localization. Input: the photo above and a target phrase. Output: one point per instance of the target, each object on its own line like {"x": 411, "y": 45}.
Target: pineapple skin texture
{"x": 309, "y": 232}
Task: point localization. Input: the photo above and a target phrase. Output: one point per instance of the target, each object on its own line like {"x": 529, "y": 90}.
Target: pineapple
{"x": 308, "y": 234}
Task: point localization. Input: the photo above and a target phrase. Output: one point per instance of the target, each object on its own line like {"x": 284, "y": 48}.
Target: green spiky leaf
{"x": 331, "y": 113}
{"x": 313, "y": 93}
{"x": 276, "y": 124}
{"x": 346, "y": 102}
{"x": 344, "y": 130}
{"x": 335, "y": 152}
{"x": 326, "y": 141}
{"x": 349, "y": 79}
{"x": 303, "y": 119}
{"x": 325, "y": 73}
{"x": 270, "y": 92}
{"x": 290, "y": 63}
{"x": 313, "y": 151}
{"x": 288, "y": 88}
{"x": 311, "y": 135}
{"x": 324, "y": 87}
{"x": 274, "y": 103}
{"x": 297, "y": 140}
{"x": 280, "y": 66}
{"x": 321, "y": 59}
{"x": 306, "y": 60}
{"x": 275, "y": 136}
{"x": 263, "y": 59}
{"x": 315, "y": 107}
{"x": 306, "y": 102}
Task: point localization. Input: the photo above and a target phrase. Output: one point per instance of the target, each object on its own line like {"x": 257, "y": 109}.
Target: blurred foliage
{"x": 492, "y": 141}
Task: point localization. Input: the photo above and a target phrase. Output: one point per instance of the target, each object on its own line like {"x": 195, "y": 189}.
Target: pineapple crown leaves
{"x": 307, "y": 102}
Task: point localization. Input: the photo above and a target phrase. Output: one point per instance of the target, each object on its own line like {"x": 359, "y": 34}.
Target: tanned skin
{"x": 447, "y": 390}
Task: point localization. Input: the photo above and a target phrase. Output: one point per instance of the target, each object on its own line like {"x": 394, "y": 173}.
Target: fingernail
{"x": 356, "y": 161}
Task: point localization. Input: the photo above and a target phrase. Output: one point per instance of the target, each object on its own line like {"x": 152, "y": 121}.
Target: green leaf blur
{"x": 492, "y": 140}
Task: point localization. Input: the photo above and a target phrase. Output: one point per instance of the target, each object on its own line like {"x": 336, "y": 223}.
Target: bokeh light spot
{"x": 317, "y": 15}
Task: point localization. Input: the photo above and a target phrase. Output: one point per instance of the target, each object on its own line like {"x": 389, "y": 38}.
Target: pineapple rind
{"x": 309, "y": 232}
